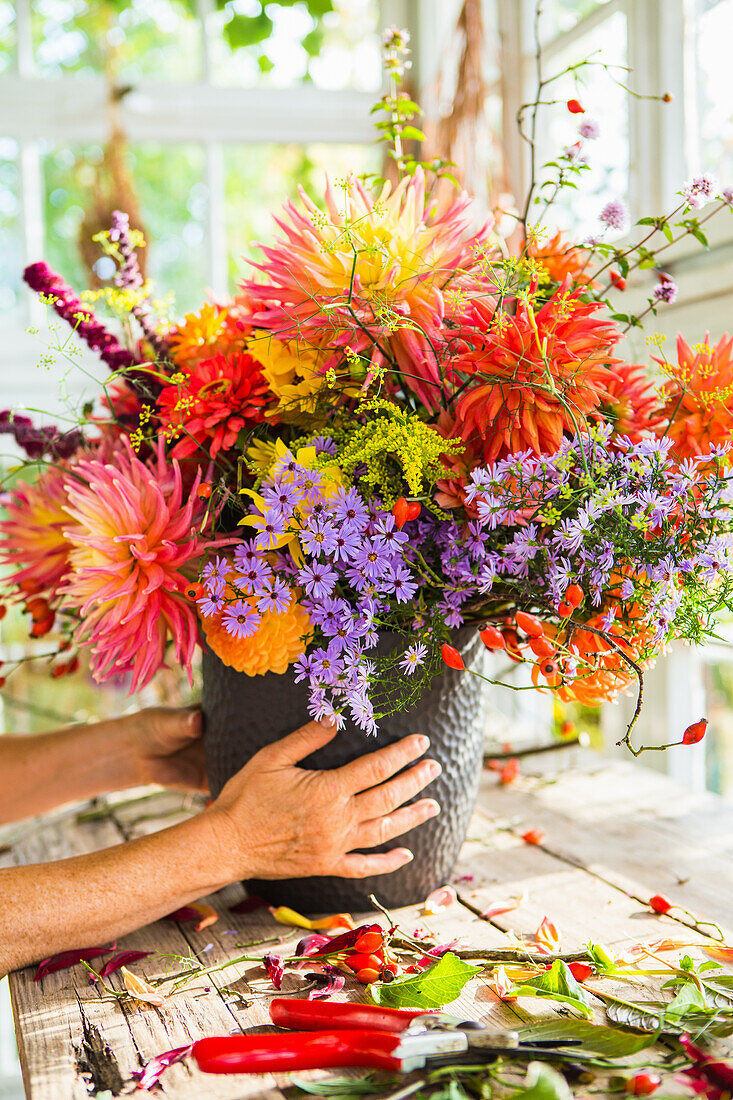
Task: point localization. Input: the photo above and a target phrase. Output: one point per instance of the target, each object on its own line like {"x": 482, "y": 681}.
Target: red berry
{"x": 414, "y": 508}
{"x": 492, "y": 638}
{"x": 549, "y": 668}
{"x": 574, "y": 595}
{"x": 695, "y": 733}
{"x": 580, "y": 971}
{"x": 204, "y": 490}
{"x": 542, "y": 647}
{"x": 360, "y": 961}
{"x": 452, "y": 657}
{"x": 58, "y": 670}
{"x": 643, "y": 1084}
{"x": 3, "y": 611}
{"x": 659, "y": 904}
{"x": 510, "y": 771}
{"x": 529, "y": 624}
{"x": 533, "y": 836}
{"x": 574, "y": 107}
{"x": 37, "y": 608}
{"x": 618, "y": 280}
{"x": 367, "y": 976}
{"x": 30, "y": 587}
{"x": 369, "y": 942}
{"x": 565, "y": 610}
{"x": 73, "y": 665}
{"x": 400, "y": 509}
{"x": 42, "y": 627}
{"x": 194, "y": 591}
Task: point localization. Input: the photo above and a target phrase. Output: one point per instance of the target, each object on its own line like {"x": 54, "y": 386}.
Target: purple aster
{"x": 255, "y": 576}
{"x": 285, "y": 464}
{"x": 244, "y": 553}
{"x": 303, "y": 667}
{"x": 699, "y": 190}
{"x": 346, "y": 543}
{"x": 386, "y": 534}
{"x": 349, "y": 509}
{"x": 373, "y": 558}
{"x": 219, "y": 568}
{"x": 666, "y": 290}
{"x": 325, "y": 665}
{"x": 277, "y": 597}
{"x": 318, "y": 537}
{"x": 362, "y": 711}
{"x": 324, "y": 445}
{"x": 404, "y": 585}
{"x": 310, "y": 484}
{"x": 211, "y": 604}
{"x": 614, "y": 215}
{"x": 318, "y": 579}
{"x": 241, "y": 619}
{"x": 413, "y": 658}
{"x": 271, "y": 527}
{"x": 215, "y": 586}
{"x": 281, "y": 495}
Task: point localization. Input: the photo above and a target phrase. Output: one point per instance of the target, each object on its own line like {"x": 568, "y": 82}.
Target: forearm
{"x": 40, "y": 772}
{"x": 93, "y": 899}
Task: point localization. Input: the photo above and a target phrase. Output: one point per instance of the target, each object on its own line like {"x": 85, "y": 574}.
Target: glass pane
{"x": 129, "y": 39}
{"x": 169, "y": 182}
{"x": 7, "y": 35}
{"x": 12, "y": 304}
{"x": 284, "y": 43}
{"x": 259, "y": 177}
{"x": 714, "y": 115}
{"x": 605, "y": 103}
{"x": 557, "y": 16}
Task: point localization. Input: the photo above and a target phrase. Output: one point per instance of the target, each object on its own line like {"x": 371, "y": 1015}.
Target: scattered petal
{"x": 283, "y": 915}
{"x": 309, "y": 945}
{"x": 719, "y": 951}
{"x": 442, "y": 898}
{"x": 547, "y": 934}
{"x": 434, "y": 953}
{"x": 330, "y": 981}
{"x": 140, "y": 989}
{"x": 500, "y": 907}
{"x": 122, "y": 958}
{"x": 533, "y": 836}
{"x": 66, "y": 959}
{"x": 151, "y": 1072}
{"x": 204, "y": 915}
{"x": 185, "y": 913}
{"x": 501, "y": 984}
{"x": 273, "y": 964}
{"x": 249, "y": 905}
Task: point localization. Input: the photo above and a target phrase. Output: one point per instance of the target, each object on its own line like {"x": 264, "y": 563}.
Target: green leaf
{"x": 647, "y": 221}
{"x": 667, "y": 230}
{"x": 543, "y": 1083}
{"x": 411, "y": 133}
{"x": 558, "y": 984}
{"x": 601, "y": 959}
{"x": 608, "y": 1042}
{"x": 313, "y": 42}
{"x": 700, "y": 236}
{"x": 437, "y": 986}
{"x": 266, "y": 64}
{"x": 689, "y": 999}
{"x": 247, "y": 30}
{"x": 633, "y": 1015}
{"x": 319, "y": 8}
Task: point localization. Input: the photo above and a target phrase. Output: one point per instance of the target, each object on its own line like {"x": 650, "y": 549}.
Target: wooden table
{"x": 615, "y": 834}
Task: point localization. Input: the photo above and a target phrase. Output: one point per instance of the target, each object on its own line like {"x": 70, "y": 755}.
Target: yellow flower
{"x": 293, "y": 373}
{"x": 201, "y": 336}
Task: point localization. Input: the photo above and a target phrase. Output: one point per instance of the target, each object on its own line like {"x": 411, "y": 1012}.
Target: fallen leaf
{"x": 123, "y": 958}
{"x": 273, "y": 964}
{"x": 547, "y": 934}
{"x": 719, "y": 951}
{"x": 432, "y": 988}
{"x": 66, "y": 959}
{"x": 140, "y": 989}
{"x": 249, "y": 905}
{"x": 442, "y": 898}
{"x": 151, "y": 1072}
{"x": 283, "y": 915}
{"x": 557, "y": 984}
{"x": 204, "y": 915}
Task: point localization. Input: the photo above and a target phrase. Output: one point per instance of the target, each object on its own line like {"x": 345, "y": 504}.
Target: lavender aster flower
{"x": 666, "y": 290}
{"x": 318, "y": 579}
{"x": 413, "y": 658}
{"x": 241, "y": 619}
{"x": 699, "y": 190}
{"x": 276, "y": 597}
{"x": 589, "y": 129}
{"x": 614, "y": 215}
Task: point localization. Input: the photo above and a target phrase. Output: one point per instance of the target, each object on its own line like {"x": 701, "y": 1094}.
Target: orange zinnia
{"x": 698, "y": 408}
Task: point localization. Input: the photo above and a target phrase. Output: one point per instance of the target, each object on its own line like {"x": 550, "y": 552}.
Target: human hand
{"x": 167, "y": 748}
{"x": 275, "y": 820}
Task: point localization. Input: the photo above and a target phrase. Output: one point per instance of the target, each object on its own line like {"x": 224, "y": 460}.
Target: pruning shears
{"x": 328, "y": 1034}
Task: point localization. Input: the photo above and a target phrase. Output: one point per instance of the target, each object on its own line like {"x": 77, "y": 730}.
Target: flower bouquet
{"x": 404, "y": 426}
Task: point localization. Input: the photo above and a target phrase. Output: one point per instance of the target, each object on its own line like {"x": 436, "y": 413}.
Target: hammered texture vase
{"x": 244, "y": 713}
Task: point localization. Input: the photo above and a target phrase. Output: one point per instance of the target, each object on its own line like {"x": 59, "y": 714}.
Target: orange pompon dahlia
{"x": 561, "y": 261}
{"x": 630, "y": 403}
{"x": 278, "y": 641}
{"x": 535, "y": 376}
{"x": 32, "y": 536}
{"x": 130, "y": 535}
{"x": 698, "y": 409}
{"x": 211, "y": 404}
{"x": 368, "y": 275}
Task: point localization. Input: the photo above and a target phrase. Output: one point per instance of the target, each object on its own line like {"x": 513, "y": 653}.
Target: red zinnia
{"x": 218, "y": 398}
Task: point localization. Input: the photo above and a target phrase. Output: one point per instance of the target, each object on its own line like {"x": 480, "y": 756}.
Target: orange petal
{"x": 283, "y": 915}
{"x": 140, "y": 989}
{"x": 209, "y": 916}
{"x": 442, "y": 898}
{"x": 719, "y": 951}
{"x": 547, "y": 934}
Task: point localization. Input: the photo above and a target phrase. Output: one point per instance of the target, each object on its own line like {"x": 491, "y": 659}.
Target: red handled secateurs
{"x": 327, "y": 1034}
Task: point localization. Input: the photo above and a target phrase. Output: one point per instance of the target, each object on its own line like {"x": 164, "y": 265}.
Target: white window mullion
{"x": 217, "y": 238}
{"x": 30, "y": 174}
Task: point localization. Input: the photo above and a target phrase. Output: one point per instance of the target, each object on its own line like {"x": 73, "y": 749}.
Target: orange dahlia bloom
{"x": 214, "y": 330}
{"x": 535, "y": 376}
{"x": 32, "y": 536}
{"x": 561, "y": 261}
{"x": 368, "y": 275}
{"x": 130, "y": 531}
{"x": 216, "y": 399}
{"x": 278, "y": 641}
{"x": 698, "y": 409}
{"x": 630, "y": 402}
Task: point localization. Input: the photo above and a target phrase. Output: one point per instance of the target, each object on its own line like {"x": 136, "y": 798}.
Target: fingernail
{"x": 407, "y": 856}
{"x": 434, "y": 768}
{"x": 433, "y": 808}
{"x": 328, "y": 720}
{"x": 423, "y": 743}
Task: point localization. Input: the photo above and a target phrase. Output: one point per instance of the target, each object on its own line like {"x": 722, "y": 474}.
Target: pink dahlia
{"x": 131, "y": 535}
{"x": 32, "y": 538}
{"x": 369, "y": 275}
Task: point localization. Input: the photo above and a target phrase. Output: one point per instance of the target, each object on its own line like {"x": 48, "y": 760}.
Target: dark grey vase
{"x": 244, "y": 713}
